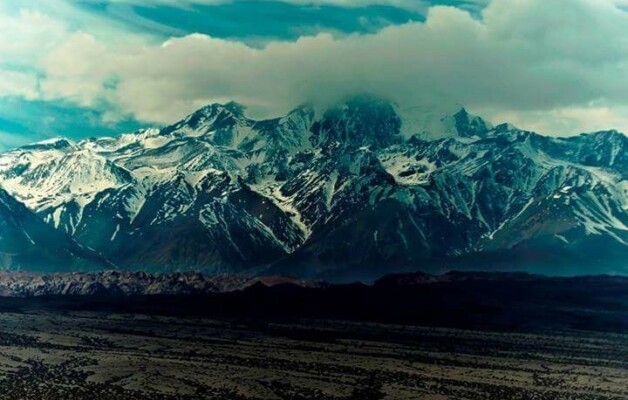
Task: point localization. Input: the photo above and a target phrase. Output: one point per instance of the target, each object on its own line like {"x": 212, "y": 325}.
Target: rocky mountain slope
{"x": 28, "y": 242}
{"x": 334, "y": 193}
{"x": 128, "y": 283}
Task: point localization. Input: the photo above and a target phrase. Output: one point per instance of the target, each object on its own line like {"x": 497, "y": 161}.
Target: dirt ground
{"x": 87, "y": 355}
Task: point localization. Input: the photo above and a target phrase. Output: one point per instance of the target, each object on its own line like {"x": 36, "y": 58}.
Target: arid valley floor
{"x": 95, "y": 355}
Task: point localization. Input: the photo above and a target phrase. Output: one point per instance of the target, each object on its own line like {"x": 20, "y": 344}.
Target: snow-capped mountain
{"x": 344, "y": 191}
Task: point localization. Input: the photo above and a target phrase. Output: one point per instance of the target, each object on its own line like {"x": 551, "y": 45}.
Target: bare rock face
{"x": 336, "y": 193}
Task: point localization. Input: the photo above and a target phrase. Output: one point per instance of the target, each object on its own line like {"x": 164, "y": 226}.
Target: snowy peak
{"x": 216, "y": 111}
{"x": 40, "y": 174}
{"x": 220, "y": 121}
{"x": 432, "y": 123}
{"x": 57, "y": 143}
{"x": 468, "y": 125}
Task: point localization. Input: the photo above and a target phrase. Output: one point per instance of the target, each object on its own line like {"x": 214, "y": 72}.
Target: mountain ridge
{"x": 341, "y": 192}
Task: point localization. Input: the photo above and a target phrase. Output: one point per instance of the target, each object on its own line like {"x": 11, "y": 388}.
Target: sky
{"x": 82, "y": 68}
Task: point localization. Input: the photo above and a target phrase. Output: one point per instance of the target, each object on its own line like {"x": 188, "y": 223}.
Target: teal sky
{"x": 80, "y": 68}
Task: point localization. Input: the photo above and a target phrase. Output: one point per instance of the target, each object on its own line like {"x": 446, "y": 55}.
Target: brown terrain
{"x": 87, "y": 355}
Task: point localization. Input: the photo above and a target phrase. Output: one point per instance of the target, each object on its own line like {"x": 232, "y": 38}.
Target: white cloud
{"x": 567, "y": 120}
{"x": 18, "y": 84}
{"x": 558, "y": 66}
{"x": 77, "y": 70}
{"x": 25, "y": 36}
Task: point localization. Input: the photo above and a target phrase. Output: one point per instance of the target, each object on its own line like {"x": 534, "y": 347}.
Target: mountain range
{"x": 356, "y": 190}
{"x": 134, "y": 283}
{"x": 467, "y": 300}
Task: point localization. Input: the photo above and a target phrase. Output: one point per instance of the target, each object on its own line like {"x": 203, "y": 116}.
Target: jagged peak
{"x": 56, "y": 143}
{"x": 609, "y": 135}
{"x": 303, "y": 108}
{"x": 358, "y": 121}
{"x": 232, "y": 107}
{"x": 505, "y": 127}
{"x": 209, "y": 118}
{"x": 432, "y": 121}
{"x": 469, "y": 125}
{"x": 302, "y": 116}
{"x": 462, "y": 113}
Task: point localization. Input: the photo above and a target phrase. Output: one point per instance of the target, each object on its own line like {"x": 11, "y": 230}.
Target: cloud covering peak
{"x": 557, "y": 67}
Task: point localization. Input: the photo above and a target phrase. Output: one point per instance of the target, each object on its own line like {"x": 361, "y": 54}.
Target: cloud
{"x": 18, "y": 84}
{"x": 558, "y": 66}
{"x": 26, "y": 35}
